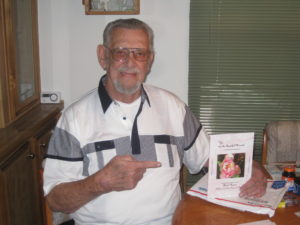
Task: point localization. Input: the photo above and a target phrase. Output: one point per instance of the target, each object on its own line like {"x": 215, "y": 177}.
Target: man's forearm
{"x": 68, "y": 197}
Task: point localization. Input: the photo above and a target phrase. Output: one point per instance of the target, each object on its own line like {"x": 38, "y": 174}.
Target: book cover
{"x": 230, "y": 163}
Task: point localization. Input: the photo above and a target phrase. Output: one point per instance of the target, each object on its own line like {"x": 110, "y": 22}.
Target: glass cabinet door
{"x": 19, "y": 59}
{"x": 26, "y": 54}
{"x": 24, "y": 49}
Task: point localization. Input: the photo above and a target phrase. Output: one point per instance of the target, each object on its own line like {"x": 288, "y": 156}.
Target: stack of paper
{"x": 264, "y": 205}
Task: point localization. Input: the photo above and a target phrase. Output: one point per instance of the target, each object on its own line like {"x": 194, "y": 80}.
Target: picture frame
{"x": 111, "y": 7}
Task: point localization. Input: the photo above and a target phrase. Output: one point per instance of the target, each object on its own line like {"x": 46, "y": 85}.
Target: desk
{"x": 195, "y": 211}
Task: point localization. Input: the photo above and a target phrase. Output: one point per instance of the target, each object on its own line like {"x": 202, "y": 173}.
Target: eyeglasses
{"x": 122, "y": 54}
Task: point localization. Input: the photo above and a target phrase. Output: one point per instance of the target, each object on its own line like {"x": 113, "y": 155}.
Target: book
{"x": 230, "y": 163}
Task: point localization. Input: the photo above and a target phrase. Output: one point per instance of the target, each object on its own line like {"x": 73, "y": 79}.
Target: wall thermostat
{"x": 50, "y": 97}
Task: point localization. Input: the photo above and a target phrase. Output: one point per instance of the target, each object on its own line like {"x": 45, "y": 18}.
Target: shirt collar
{"x": 106, "y": 100}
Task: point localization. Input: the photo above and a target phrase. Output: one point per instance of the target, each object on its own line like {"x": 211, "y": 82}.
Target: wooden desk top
{"x": 37, "y": 119}
{"x": 195, "y": 211}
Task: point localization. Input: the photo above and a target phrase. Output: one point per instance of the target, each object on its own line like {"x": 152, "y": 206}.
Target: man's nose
{"x": 131, "y": 59}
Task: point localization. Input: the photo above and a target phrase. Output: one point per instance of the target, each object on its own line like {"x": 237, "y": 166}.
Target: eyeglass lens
{"x": 122, "y": 54}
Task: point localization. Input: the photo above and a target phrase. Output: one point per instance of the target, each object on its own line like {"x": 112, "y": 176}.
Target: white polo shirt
{"x": 96, "y": 128}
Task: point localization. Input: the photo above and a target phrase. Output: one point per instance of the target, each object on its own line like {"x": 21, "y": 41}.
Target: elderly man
{"x": 115, "y": 155}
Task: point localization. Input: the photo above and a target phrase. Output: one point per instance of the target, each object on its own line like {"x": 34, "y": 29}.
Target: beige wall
{"x": 68, "y": 40}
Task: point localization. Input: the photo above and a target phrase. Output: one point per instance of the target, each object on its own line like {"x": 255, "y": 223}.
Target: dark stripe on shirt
{"x": 135, "y": 139}
{"x": 162, "y": 139}
{"x": 104, "y": 145}
{"x": 197, "y": 133}
{"x": 63, "y": 158}
{"x": 103, "y": 95}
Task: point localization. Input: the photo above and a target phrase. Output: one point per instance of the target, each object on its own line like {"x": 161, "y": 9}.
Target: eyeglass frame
{"x": 129, "y": 50}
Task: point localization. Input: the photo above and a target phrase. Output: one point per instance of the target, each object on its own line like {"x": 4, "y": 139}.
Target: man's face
{"x": 125, "y": 76}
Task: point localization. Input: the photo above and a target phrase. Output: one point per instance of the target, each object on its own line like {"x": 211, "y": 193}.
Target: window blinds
{"x": 244, "y": 64}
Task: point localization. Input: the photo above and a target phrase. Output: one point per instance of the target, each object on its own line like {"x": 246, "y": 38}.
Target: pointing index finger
{"x": 147, "y": 164}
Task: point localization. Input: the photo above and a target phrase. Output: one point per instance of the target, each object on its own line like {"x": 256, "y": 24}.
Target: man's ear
{"x": 102, "y": 57}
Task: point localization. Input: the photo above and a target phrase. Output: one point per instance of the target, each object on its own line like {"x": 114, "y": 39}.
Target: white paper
{"x": 275, "y": 171}
{"x": 230, "y": 163}
{"x": 266, "y": 204}
{"x": 261, "y": 222}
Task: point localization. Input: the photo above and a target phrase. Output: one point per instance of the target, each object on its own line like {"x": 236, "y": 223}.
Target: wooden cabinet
{"x": 19, "y": 59}
{"x": 25, "y": 124}
{"x": 22, "y": 146}
{"x": 21, "y": 189}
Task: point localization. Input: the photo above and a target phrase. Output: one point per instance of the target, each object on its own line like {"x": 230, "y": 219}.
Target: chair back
{"x": 281, "y": 141}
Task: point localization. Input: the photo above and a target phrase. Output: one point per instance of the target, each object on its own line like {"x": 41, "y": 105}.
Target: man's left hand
{"x": 256, "y": 186}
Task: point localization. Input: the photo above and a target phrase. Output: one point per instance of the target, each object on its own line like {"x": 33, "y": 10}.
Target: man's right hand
{"x": 122, "y": 173}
